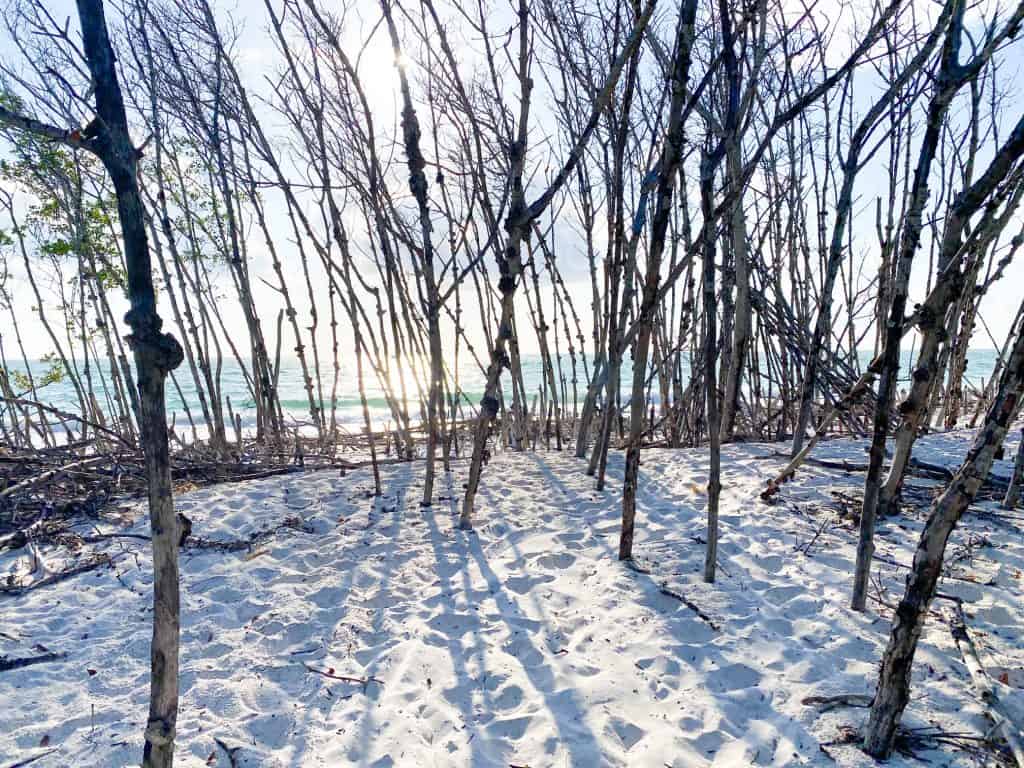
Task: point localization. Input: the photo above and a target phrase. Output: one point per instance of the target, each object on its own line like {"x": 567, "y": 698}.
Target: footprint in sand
{"x": 454, "y": 625}
{"x": 510, "y": 697}
{"x": 779, "y": 596}
{"x": 628, "y": 733}
{"x": 524, "y": 650}
{"x": 523, "y": 584}
{"x": 803, "y": 607}
{"x": 557, "y": 562}
{"x": 493, "y": 681}
{"x": 734, "y": 677}
{"x": 328, "y": 597}
{"x": 570, "y": 536}
{"x": 708, "y": 742}
{"x": 690, "y": 725}
{"x": 585, "y": 670}
{"x": 996, "y": 614}
{"x": 770, "y": 563}
{"x": 513, "y": 729}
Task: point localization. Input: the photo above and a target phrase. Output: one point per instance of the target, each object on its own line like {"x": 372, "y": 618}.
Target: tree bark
{"x": 156, "y": 354}
{"x": 1013, "y": 489}
{"x": 947, "y": 84}
{"x": 668, "y": 163}
{"x": 893, "y": 690}
{"x": 518, "y": 222}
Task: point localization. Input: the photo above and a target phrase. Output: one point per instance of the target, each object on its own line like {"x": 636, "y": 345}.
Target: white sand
{"x": 524, "y": 643}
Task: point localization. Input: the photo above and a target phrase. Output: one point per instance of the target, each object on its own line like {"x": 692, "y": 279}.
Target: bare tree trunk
{"x": 156, "y": 354}
{"x": 948, "y": 82}
{"x": 520, "y": 219}
{"x": 741, "y": 330}
{"x": 950, "y": 283}
{"x": 893, "y": 690}
{"x": 432, "y": 309}
{"x": 668, "y": 164}
{"x": 844, "y": 206}
{"x": 707, "y": 176}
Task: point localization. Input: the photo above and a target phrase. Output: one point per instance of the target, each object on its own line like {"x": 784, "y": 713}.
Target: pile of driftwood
{"x": 47, "y": 487}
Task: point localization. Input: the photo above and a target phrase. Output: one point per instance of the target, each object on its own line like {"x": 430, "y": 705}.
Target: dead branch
{"x": 363, "y": 681}
{"x": 986, "y": 689}
{"x": 7, "y": 663}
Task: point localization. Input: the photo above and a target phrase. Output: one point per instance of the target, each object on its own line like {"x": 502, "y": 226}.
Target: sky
{"x": 259, "y": 62}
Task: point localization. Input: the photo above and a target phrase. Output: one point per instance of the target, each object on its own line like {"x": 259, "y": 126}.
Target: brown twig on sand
{"x": 691, "y": 605}
{"x": 363, "y": 681}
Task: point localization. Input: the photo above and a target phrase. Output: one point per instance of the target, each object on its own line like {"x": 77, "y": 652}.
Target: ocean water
{"x": 348, "y": 406}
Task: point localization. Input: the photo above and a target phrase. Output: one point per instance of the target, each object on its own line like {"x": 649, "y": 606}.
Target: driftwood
{"x": 65, "y": 416}
{"x": 1004, "y": 720}
{"x": 247, "y": 544}
{"x": 91, "y": 565}
{"x": 30, "y": 760}
{"x": 826, "y": 703}
{"x": 7, "y": 663}
{"x": 993, "y": 484}
{"x": 25, "y": 485}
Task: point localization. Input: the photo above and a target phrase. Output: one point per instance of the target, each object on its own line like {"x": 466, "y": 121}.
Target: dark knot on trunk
{"x": 506, "y": 284}
{"x": 162, "y": 350}
{"x": 489, "y": 405}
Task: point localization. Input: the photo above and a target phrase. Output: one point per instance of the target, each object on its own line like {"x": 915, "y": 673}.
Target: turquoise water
{"x": 294, "y": 401}
{"x": 292, "y": 392}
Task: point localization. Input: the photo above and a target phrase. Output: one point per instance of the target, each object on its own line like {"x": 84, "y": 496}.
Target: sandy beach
{"x": 523, "y": 643}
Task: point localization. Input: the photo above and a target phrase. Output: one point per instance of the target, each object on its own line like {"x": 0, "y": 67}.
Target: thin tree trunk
{"x": 156, "y": 354}
{"x": 432, "y": 308}
{"x": 893, "y": 690}
{"x": 668, "y": 164}
{"x": 520, "y": 219}
{"x": 946, "y": 87}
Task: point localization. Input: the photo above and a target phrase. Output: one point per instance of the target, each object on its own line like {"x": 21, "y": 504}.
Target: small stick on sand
{"x": 363, "y": 681}
{"x": 691, "y": 605}
{"x": 30, "y": 760}
{"x": 825, "y": 703}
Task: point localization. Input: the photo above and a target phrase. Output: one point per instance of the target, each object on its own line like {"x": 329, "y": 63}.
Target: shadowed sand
{"x": 522, "y": 643}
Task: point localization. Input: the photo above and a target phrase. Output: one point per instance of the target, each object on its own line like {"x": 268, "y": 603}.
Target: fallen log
{"x": 1000, "y": 715}
{"x": 7, "y": 663}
